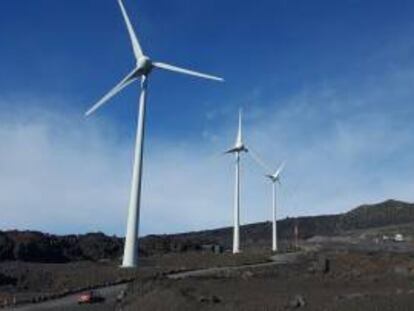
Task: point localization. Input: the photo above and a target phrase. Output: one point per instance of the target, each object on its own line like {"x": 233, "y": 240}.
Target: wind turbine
{"x": 275, "y": 178}
{"x": 237, "y": 149}
{"x": 143, "y": 68}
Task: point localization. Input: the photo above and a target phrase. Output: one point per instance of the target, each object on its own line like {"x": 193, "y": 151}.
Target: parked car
{"x": 89, "y": 297}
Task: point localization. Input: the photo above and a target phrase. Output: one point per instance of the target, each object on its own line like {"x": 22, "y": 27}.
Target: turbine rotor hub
{"x": 144, "y": 65}
{"x": 240, "y": 147}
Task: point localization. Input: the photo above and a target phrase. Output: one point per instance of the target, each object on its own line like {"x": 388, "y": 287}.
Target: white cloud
{"x": 58, "y": 174}
{"x": 344, "y": 147}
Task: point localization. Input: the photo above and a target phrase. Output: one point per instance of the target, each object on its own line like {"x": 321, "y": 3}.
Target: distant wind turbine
{"x": 274, "y": 178}
{"x": 237, "y": 149}
{"x": 143, "y": 68}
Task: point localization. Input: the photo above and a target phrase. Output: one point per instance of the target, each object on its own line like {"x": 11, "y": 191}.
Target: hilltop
{"x": 34, "y": 246}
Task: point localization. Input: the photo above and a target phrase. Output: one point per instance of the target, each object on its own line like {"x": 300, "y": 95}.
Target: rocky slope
{"x": 40, "y": 247}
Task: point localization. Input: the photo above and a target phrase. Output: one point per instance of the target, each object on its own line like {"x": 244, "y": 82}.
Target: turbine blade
{"x": 239, "y": 141}
{"x": 232, "y": 150}
{"x": 186, "y": 71}
{"x": 259, "y": 161}
{"x": 279, "y": 170}
{"x": 119, "y": 87}
{"x": 132, "y": 35}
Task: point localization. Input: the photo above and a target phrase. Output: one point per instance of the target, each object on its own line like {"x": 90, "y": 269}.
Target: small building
{"x": 398, "y": 237}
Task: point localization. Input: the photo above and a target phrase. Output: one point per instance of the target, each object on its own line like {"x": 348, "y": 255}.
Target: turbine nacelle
{"x": 144, "y": 65}
{"x": 273, "y": 178}
{"x": 276, "y": 176}
{"x": 238, "y": 145}
{"x": 238, "y": 149}
{"x": 241, "y": 148}
{"x": 239, "y": 142}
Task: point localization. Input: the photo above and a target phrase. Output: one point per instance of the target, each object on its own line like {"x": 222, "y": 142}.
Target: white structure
{"x": 398, "y": 237}
{"x": 144, "y": 66}
{"x": 275, "y": 178}
{"x": 237, "y": 149}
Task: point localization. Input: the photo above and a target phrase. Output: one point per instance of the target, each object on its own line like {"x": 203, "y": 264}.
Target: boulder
{"x": 297, "y": 302}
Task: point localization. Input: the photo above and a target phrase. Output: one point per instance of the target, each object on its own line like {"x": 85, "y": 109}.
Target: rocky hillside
{"x": 387, "y": 213}
{"x": 39, "y": 247}
{"x": 383, "y": 214}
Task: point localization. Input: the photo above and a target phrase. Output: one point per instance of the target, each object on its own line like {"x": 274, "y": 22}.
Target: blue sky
{"x": 324, "y": 84}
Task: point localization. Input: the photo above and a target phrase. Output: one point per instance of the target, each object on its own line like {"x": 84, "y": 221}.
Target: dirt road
{"x": 277, "y": 259}
{"x": 69, "y": 303}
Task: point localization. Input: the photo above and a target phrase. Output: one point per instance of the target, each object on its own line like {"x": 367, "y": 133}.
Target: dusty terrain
{"x": 357, "y": 266}
{"x": 320, "y": 277}
{"x": 323, "y": 280}
{"x": 25, "y": 282}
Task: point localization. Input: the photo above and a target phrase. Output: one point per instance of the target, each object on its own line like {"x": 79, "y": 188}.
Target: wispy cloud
{"x": 344, "y": 146}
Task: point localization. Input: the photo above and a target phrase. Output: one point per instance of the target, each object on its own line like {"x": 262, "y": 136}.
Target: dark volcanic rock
{"x": 366, "y": 216}
{"x": 7, "y": 280}
{"x": 36, "y": 246}
{"x": 297, "y": 302}
{"x": 323, "y": 264}
{"x": 390, "y": 212}
{"x": 161, "y": 244}
{"x": 6, "y": 247}
{"x": 96, "y": 246}
{"x": 39, "y": 247}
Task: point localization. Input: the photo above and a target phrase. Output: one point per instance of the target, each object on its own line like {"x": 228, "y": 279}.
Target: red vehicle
{"x": 89, "y": 297}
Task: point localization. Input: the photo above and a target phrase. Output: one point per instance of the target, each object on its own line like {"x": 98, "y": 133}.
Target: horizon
{"x": 229, "y": 227}
{"x": 326, "y": 86}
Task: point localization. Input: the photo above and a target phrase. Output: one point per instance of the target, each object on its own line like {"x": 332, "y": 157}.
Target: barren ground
{"x": 332, "y": 274}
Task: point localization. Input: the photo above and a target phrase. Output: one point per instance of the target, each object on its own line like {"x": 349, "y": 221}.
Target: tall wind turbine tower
{"x": 143, "y": 68}
{"x": 237, "y": 149}
{"x": 275, "y": 178}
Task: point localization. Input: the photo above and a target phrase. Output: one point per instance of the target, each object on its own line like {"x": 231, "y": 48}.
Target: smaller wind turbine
{"x": 238, "y": 148}
{"x": 275, "y": 179}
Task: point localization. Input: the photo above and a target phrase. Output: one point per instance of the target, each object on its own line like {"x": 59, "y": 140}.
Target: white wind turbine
{"x": 237, "y": 149}
{"x": 274, "y": 178}
{"x": 143, "y": 68}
